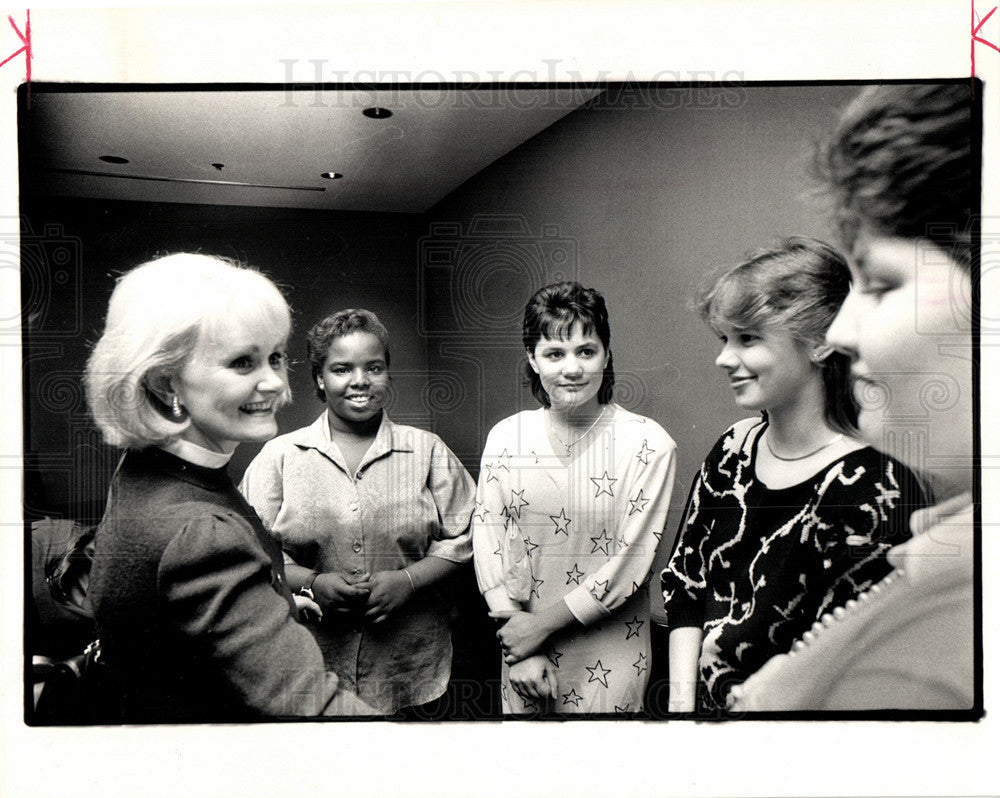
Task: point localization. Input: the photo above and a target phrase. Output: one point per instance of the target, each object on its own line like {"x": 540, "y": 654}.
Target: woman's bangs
{"x": 729, "y": 305}
{"x": 559, "y": 325}
{"x": 253, "y": 310}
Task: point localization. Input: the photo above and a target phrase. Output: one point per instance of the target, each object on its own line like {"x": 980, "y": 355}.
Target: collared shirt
{"x": 409, "y": 498}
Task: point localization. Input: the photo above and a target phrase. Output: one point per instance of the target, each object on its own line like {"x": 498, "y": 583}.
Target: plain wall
{"x": 639, "y": 199}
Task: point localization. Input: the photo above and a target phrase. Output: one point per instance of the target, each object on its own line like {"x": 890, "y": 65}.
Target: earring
{"x": 175, "y": 407}
{"x": 820, "y": 354}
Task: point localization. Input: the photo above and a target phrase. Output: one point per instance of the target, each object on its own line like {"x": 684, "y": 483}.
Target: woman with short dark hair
{"x": 571, "y": 504}
{"x": 373, "y": 517}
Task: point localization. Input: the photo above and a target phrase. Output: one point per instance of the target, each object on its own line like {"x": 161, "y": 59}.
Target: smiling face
{"x": 231, "y": 384}
{"x": 355, "y": 379}
{"x": 570, "y": 369}
{"x": 907, "y": 329}
{"x": 767, "y": 369}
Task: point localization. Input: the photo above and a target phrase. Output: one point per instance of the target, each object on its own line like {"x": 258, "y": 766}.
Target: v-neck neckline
{"x": 575, "y": 453}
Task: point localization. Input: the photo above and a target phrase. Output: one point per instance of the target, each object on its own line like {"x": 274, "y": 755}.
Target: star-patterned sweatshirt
{"x": 590, "y": 525}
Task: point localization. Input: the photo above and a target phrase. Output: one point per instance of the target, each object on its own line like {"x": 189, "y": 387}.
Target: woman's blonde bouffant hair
{"x": 157, "y": 314}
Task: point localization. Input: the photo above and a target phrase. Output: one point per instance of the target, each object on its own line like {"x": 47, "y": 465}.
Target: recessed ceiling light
{"x": 113, "y": 159}
{"x": 377, "y": 113}
{"x": 332, "y": 175}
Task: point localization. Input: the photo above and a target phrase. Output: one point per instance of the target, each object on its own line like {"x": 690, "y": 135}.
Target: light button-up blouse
{"x": 410, "y": 498}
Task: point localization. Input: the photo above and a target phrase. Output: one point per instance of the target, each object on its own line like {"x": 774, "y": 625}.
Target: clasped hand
{"x": 521, "y": 636}
{"x": 378, "y": 595}
{"x": 533, "y": 678}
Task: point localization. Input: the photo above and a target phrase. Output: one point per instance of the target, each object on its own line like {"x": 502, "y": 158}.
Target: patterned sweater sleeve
{"x": 684, "y": 578}
{"x": 215, "y": 584}
{"x": 488, "y": 520}
{"x": 865, "y": 511}
{"x": 454, "y": 493}
{"x": 647, "y": 490}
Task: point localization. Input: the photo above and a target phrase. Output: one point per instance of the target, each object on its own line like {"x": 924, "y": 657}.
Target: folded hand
{"x": 389, "y": 590}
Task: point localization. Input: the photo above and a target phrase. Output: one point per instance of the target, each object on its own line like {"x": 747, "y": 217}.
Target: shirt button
{"x": 359, "y": 475}
{"x": 353, "y": 506}
{"x": 357, "y": 546}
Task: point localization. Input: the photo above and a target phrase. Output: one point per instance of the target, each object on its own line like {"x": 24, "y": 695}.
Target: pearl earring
{"x": 175, "y": 407}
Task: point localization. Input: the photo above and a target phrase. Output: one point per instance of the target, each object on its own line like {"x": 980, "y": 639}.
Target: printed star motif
{"x": 562, "y": 522}
{"x": 644, "y": 453}
{"x": 572, "y": 697}
{"x": 599, "y": 589}
{"x": 504, "y": 456}
{"x": 480, "y": 512}
{"x": 640, "y": 664}
{"x": 633, "y": 627}
{"x": 622, "y": 543}
{"x": 534, "y": 586}
{"x": 599, "y": 674}
{"x": 638, "y": 504}
{"x": 490, "y": 476}
{"x": 529, "y": 705}
{"x": 537, "y": 461}
{"x": 575, "y": 575}
{"x": 554, "y": 658}
{"x": 658, "y": 535}
{"x": 503, "y": 692}
{"x": 621, "y": 709}
{"x": 498, "y": 553}
{"x": 604, "y": 484}
{"x": 517, "y": 501}
{"x": 636, "y": 587}
{"x": 529, "y": 546}
{"x": 601, "y": 543}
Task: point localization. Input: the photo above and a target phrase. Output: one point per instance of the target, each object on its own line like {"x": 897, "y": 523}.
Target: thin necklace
{"x": 833, "y": 440}
{"x": 573, "y": 443}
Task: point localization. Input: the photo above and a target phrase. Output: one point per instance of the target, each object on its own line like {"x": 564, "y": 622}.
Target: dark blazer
{"x": 195, "y": 620}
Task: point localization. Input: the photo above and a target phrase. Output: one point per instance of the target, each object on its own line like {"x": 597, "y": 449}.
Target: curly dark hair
{"x": 900, "y": 160}
{"x": 552, "y": 312}
{"x": 337, "y": 325}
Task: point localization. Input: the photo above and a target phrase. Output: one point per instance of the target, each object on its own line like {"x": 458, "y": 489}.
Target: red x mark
{"x": 25, "y": 41}
{"x": 976, "y": 38}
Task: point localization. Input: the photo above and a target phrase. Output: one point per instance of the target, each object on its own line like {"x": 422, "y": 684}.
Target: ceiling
{"x": 274, "y": 144}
